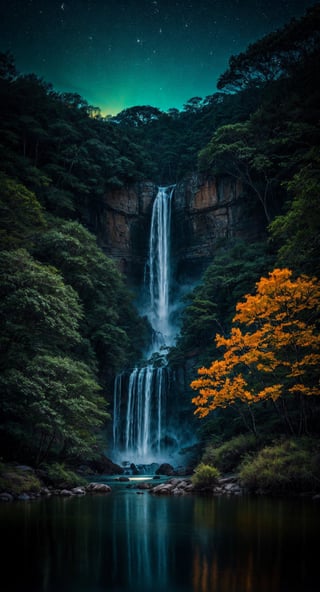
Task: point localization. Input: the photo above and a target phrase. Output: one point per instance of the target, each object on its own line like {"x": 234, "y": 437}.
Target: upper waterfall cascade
{"x": 159, "y": 265}
{"x": 139, "y": 412}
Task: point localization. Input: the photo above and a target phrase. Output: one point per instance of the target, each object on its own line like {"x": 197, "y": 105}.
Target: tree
{"x": 275, "y": 55}
{"x": 21, "y": 215}
{"x": 55, "y": 404}
{"x": 48, "y": 397}
{"x": 276, "y": 354}
{"x": 138, "y": 116}
{"x": 110, "y": 321}
{"x": 7, "y": 66}
{"x": 234, "y": 271}
{"x": 241, "y": 150}
{"x": 297, "y": 231}
{"x": 38, "y": 312}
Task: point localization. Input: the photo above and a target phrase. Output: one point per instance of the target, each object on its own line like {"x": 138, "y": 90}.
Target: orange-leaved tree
{"x": 273, "y": 352}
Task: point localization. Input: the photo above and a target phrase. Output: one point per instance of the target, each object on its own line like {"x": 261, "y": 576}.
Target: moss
{"x": 205, "y": 475}
{"x": 16, "y": 480}
{"x": 287, "y": 466}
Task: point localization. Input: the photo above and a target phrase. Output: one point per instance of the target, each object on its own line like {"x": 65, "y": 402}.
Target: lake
{"x": 126, "y": 542}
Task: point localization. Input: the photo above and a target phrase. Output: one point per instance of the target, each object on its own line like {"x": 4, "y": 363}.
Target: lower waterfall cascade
{"x": 140, "y": 423}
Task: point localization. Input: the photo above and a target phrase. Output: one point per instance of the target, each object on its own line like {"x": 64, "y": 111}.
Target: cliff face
{"x": 205, "y": 210}
{"x": 124, "y": 226}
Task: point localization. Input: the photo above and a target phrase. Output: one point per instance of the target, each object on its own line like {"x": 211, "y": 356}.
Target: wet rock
{"x": 173, "y": 487}
{"x": 165, "y": 469}
{"x": 25, "y": 468}
{"x": 176, "y": 486}
{"x": 98, "y": 488}
{"x": 144, "y": 485}
{"x": 6, "y": 497}
{"x": 134, "y": 469}
{"x": 105, "y": 466}
{"x": 78, "y": 490}
{"x": 66, "y": 493}
{"x": 228, "y": 486}
{"x": 164, "y": 491}
{"x": 123, "y": 479}
{"x": 177, "y": 491}
{"x": 23, "y": 497}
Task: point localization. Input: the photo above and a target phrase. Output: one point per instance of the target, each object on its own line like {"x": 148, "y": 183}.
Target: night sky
{"x": 121, "y": 53}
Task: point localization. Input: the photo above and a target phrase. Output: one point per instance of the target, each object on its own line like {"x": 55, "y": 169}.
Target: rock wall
{"x": 124, "y": 226}
{"x": 205, "y": 210}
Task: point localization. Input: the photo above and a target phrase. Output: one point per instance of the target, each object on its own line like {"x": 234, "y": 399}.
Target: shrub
{"x": 287, "y": 466}
{"x": 205, "y": 475}
{"x": 16, "y": 480}
{"x": 60, "y": 476}
{"x": 228, "y": 455}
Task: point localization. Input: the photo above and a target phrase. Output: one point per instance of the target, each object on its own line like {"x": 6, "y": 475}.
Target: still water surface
{"x": 125, "y": 542}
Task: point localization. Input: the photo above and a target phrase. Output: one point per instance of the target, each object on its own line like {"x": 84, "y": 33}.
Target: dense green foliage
{"x": 274, "y": 151}
{"x": 227, "y": 456}
{"x": 67, "y": 319}
{"x": 210, "y": 307}
{"x": 288, "y": 466}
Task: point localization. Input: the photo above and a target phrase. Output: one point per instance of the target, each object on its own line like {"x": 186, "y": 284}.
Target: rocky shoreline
{"x": 173, "y": 486}
{"x": 23, "y": 483}
{"x": 224, "y": 486}
{"x": 51, "y": 491}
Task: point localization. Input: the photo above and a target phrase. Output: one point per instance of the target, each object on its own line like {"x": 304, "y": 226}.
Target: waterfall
{"x": 139, "y": 409}
{"x": 159, "y": 265}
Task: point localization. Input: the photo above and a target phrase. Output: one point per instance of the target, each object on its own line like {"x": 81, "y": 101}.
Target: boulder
{"x": 134, "y": 469}
{"x": 145, "y": 485}
{"x": 177, "y": 491}
{"x": 165, "y": 469}
{"x": 105, "y": 466}
{"x": 23, "y": 497}
{"x": 98, "y": 488}
{"x": 6, "y": 497}
{"x": 25, "y": 468}
{"x": 78, "y": 490}
{"x": 173, "y": 487}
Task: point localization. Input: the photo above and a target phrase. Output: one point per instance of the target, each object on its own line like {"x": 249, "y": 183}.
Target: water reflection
{"x": 140, "y": 542}
{"x": 255, "y": 545}
{"x": 126, "y": 542}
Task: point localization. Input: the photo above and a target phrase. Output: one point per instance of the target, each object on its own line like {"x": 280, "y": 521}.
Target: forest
{"x": 249, "y": 339}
